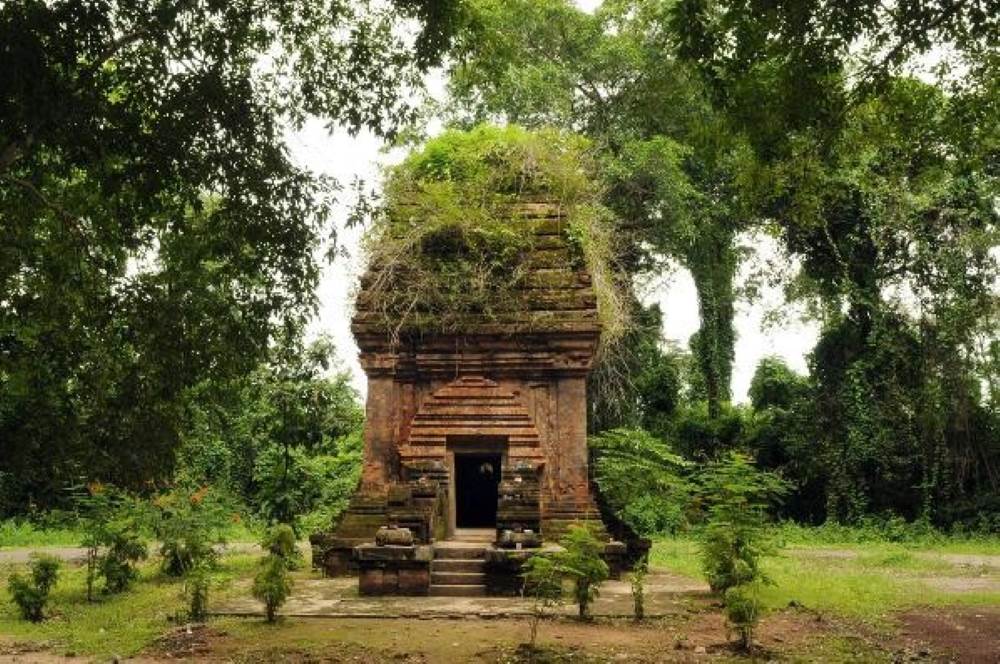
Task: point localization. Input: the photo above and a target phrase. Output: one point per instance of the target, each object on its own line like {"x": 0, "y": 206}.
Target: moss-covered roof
{"x": 552, "y": 291}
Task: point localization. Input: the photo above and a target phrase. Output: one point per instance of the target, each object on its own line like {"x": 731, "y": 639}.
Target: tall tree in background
{"x": 680, "y": 178}
{"x": 885, "y": 188}
{"x": 153, "y": 231}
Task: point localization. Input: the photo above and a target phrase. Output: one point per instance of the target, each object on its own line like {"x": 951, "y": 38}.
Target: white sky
{"x": 345, "y": 157}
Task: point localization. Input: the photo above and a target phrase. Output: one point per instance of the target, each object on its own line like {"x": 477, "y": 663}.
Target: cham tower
{"x": 475, "y": 440}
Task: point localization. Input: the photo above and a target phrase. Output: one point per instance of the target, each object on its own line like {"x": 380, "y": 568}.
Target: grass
{"x": 27, "y": 534}
{"x": 908, "y": 536}
{"x": 866, "y": 581}
{"x": 117, "y": 625}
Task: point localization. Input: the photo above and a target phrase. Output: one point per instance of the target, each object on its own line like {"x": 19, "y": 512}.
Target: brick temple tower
{"x": 479, "y": 433}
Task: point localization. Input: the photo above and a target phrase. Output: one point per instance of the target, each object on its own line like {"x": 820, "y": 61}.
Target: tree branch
{"x": 70, "y": 220}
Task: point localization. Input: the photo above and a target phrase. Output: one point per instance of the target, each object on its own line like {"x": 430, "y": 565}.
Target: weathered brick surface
{"x": 516, "y": 381}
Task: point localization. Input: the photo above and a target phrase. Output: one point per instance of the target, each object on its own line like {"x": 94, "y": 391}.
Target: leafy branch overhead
{"x": 156, "y": 232}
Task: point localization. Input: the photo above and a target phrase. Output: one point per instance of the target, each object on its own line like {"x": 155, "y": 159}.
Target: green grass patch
{"x": 866, "y": 581}
{"x": 15, "y": 533}
{"x": 902, "y": 534}
{"x": 121, "y": 625}
{"x": 679, "y": 555}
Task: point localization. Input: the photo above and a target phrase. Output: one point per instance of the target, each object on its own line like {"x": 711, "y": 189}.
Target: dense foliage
{"x": 31, "y": 593}
{"x": 877, "y": 171}
{"x": 155, "y": 233}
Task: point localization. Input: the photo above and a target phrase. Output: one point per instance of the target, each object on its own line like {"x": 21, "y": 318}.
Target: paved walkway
{"x": 666, "y": 594}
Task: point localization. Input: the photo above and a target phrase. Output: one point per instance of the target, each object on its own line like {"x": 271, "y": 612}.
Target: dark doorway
{"x": 477, "y": 479}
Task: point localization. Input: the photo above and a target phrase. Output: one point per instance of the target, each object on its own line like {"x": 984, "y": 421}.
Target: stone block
{"x": 393, "y": 535}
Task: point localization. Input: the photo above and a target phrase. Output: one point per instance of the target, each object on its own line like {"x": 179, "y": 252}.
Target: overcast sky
{"x": 344, "y": 158}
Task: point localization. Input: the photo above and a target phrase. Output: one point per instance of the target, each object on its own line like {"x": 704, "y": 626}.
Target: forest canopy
{"x": 159, "y": 256}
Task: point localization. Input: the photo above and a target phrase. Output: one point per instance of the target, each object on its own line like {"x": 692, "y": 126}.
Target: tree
{"x": 786, "y": 66}
{"x": 155, "y": 232}
{"x": 642, "y": 479}
{"x": 679, "y": 177}
{"x": 894, "y": 224}
{"x": 286, "y": 438}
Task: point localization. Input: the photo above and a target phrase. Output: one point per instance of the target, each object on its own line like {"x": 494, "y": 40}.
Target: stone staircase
{"x": 458, "y": 570}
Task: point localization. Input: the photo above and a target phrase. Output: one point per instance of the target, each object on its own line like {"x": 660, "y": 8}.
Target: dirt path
{"x": 967, "y": 635}
{"x": 666, "y": 595}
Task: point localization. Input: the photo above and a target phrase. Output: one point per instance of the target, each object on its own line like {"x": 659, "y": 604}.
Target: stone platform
{"x": 666, "y": 594}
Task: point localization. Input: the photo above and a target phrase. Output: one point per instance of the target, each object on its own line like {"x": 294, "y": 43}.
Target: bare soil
{"x": 697, "y": 636}
{"x": 970, "y": 635}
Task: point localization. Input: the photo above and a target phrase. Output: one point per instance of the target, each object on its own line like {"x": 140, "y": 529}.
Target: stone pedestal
{"x": 393, "y": 570}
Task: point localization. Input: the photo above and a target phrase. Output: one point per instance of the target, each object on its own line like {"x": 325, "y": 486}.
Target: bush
{"x": 742, "y": 606}
{"x": 118, "y": 564}
{"x": 642, "y": 479}
{"x": 736, "y": 537}
{"x": 543, "y": 583}
{"x": 272, "y": 585}
{"x": 111, "y": 521}
{"x": 279, "y": 541}
{"x": 581, "y": 562}
{"x": 32, "y": 594}
{"x": 196, "y": 588}
{"x": 189, "y": 525}
{"x": 637, "y": 579}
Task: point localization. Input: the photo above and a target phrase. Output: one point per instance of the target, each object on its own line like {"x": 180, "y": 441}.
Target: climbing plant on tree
{"x": 155, "y": 231}
{"x": 897, "y": 228}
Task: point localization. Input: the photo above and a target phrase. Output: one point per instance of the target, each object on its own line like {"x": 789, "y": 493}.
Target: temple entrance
{"x": 477, "y": 479}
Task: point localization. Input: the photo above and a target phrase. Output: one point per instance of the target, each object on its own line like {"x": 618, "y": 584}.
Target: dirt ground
{"x": 962, "y": 635}
{"x": 695, "y": 637}
{"x": 967, "y": 635}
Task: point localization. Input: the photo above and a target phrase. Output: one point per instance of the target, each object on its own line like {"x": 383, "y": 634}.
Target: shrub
{"x": 642, "y": 479}
{"x": 581, "y": 562}
{"x": 196, "y": 588}
{"x": 736, "y": 536}
{"x": 279, "y": 541}
{"x": 637, "y": 579}
{"x": 118, "y": 564}
{"x": 111, "y": 522}
{"x": 32, "y": 594}
{"x": 543, "y": 583}
{"x": 272, "y": 585}
{"x": 742, "y": 606}
{"x": 189, "y": 525}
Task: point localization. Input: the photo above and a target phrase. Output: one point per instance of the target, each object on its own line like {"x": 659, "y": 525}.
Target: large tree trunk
{"x": 712, "y": 262}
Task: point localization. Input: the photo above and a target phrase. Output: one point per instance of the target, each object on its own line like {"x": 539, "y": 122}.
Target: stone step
{"x": 460, "y": 552}
{"x": 446, "y": 565}
{"x": 457, "y": 578}
{"x": 458, "y": 591}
